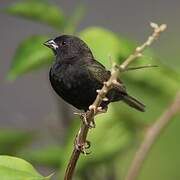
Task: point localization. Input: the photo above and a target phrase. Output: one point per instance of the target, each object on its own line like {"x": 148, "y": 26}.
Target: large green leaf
{"x": 15, "y": 139}
{"x": 18, "y": 169}
{"x": 105, "y": 44}
{"x": 30, "y": 55}
{"x": 40, "y": 11}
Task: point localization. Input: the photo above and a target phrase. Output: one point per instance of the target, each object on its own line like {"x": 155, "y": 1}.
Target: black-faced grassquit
{"x": 76, "y": 75}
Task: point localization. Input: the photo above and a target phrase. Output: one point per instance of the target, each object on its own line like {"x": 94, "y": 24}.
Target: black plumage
{"x": 76, "y": 75}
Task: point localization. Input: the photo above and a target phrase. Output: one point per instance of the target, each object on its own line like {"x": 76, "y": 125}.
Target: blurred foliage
{"x": 15, "y": 139}
{"x": 48, "y": 156}
{"x": 38, "y": 10}
{"x": 116, "y": 130}
{"x": 30, "y": 55}
{"x": 73, "y": 21}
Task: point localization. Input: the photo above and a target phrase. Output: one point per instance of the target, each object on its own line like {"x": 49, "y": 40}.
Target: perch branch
{"x": 80, "y": 140}
{"x": 151, "y": 135}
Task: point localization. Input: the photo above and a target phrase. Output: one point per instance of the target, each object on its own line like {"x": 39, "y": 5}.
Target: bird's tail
{"x": 131, "y": 101}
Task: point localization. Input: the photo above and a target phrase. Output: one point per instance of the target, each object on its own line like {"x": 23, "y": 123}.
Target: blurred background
{"x": 38, "y": 126}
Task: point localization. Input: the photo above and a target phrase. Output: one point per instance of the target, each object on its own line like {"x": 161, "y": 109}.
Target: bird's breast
{"x": 74, "y": 85}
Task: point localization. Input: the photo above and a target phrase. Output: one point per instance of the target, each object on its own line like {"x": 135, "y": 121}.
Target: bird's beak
{"x": 51, "y": 44}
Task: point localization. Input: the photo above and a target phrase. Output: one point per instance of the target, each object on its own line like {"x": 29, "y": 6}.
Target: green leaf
{"x": 15, "y": 139}
{"x": 18, "y": 169}
{"x": 105, "y": 44}
{"x": 40, "y": 11}
{"x": 30, "y": 55}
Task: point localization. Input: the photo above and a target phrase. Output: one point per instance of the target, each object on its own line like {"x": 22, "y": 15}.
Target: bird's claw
{"x": 84, "y": 116}
{"x": 82, "y": 147}
{"x": 90, "y": 124}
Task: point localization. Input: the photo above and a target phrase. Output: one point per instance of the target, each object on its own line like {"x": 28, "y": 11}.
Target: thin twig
{"x": 140, "y": 67}
{"x": 101, "y": 95}
{"x": 151, "y": 136}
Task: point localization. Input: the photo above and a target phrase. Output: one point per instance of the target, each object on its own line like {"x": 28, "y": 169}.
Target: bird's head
{"x": 68, "y": 46}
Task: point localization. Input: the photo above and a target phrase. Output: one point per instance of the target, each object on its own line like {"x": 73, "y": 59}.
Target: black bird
{"x": 76, "y": 75}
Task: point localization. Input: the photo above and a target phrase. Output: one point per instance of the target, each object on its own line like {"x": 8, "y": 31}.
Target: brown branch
{"x": 151, "y": 136}
{"x": 93, "y": 109}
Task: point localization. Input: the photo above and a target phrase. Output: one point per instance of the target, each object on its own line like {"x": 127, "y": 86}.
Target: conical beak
{"x": 51, "y": 44}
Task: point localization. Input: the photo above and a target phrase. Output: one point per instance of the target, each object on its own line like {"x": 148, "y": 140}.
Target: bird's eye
{"x": 63, "y": 43}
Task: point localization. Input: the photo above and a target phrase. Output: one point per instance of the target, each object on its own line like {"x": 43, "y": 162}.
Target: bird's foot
{"x": 82, "y": 147}
{"x": 84, "y": 116}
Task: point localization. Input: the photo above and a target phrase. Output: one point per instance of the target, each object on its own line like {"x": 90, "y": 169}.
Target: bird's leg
{"x": 82, "y": 146}
{"x": 84, "y": 116}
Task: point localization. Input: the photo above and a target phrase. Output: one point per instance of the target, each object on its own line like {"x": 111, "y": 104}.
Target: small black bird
{"x": 76, "y": 75}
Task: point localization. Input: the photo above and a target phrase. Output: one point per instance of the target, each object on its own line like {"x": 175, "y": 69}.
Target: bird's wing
{"x": 98, "y": 71}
